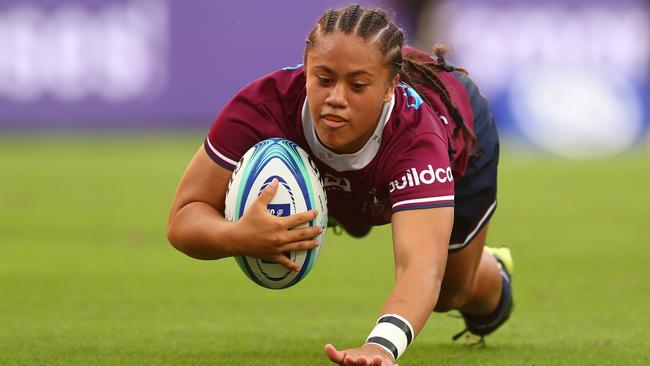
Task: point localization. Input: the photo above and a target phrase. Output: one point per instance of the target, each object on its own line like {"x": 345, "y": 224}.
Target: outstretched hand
{"x": 366, "y": 355}
{"x": 265, "y": 236}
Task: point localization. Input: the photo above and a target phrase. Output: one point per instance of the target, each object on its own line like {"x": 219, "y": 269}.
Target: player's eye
{"x": 324, "y": 80}
{"x": 359, "y": 86}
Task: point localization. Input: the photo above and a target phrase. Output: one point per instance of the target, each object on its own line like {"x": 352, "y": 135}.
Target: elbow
{"x": 176, "y": 235}
{"x": 186, "y": 241}
{"x": 173, "y": 236}
{"x": 177, "y": 231}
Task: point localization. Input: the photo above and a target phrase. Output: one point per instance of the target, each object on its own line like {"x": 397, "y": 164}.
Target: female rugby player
{"x": 400, "y": 138}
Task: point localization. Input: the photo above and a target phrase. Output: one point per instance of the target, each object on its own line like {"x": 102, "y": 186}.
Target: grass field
{"x": 87, "y": 276}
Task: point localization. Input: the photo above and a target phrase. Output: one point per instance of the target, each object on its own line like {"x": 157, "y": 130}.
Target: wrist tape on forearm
{"x": 393, "y": 333}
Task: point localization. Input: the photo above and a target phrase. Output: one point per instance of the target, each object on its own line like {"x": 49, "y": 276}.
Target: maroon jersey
{"x": 408, "y": 163}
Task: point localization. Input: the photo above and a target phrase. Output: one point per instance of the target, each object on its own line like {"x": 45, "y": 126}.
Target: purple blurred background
{"x": 570, "y": 77}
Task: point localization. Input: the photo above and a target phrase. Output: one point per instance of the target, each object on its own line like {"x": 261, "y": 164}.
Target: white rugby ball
{"x": 300, "y": 189}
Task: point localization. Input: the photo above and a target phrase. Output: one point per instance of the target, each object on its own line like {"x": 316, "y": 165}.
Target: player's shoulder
{"x": 413, "y": 116}
{"x": 276, "y": 85}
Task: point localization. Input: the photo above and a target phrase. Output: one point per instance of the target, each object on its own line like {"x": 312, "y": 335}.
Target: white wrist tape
{"x": 393, "y": 333}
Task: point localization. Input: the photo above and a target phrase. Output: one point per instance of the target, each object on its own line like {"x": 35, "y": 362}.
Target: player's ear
{"x": 390, "y": 88}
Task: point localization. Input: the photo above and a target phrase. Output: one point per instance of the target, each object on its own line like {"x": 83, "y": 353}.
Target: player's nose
{"x": 337, "y": 98}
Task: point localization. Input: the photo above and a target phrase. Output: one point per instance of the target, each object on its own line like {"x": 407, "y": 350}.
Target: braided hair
{"x": 373, "y": 24}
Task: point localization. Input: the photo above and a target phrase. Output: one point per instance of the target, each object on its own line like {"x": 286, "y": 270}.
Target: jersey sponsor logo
{"x": 413, "y": 178}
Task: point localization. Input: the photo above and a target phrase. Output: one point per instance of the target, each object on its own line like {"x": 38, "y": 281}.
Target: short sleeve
{"x": 240, "y": 125}
{"x": 421, "y": 176}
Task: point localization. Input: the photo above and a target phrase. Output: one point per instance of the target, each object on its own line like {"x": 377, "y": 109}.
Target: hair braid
{"x": 378, "y": 22}
{"x": 330, "y": 20}
{"x": 373, "y": 23}
{"x": 349, "y": 18}
{"x": 395, "y": 38}
{"x": 367, "y": 21}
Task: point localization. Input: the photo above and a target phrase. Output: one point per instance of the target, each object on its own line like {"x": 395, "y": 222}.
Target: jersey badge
{"x": 413, "y": 99}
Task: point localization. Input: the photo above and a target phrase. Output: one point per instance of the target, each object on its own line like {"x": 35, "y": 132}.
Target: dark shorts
{"x": 476, "y": 191}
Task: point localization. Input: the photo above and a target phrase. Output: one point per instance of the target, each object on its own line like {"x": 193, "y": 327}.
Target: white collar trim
{"x": 345, "y": 162}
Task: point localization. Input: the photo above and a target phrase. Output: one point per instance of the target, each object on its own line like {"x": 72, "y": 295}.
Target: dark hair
{"x": 373, "y": 24}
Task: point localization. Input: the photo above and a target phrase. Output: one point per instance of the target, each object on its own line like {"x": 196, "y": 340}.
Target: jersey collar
{"x": 345, "y": 162}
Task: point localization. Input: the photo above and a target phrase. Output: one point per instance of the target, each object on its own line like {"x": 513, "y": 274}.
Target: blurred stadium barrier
{"x": 571, "y": 77}
{"x": 139, "y": 63}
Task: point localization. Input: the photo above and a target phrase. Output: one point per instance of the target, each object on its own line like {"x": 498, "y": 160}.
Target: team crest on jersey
{"x": 413, "y": 99}
{"x": 335, "y": 184}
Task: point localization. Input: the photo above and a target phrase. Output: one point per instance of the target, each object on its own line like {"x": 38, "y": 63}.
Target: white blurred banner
{"x": 570, "y": 76}
{"x": 115, "y": 52}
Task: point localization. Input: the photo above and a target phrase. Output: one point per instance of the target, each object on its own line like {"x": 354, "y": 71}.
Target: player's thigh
{"x": 460, "y": 272}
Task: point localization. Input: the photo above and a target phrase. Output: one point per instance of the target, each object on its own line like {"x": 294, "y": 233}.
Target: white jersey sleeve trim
{"x": 220, "y": 155}
{"x": 424, "y": 200}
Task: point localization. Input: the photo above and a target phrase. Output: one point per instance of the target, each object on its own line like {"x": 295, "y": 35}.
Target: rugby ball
{"x": 300, "y": 189}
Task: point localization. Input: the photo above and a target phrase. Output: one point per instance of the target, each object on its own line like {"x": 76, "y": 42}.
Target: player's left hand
{"x": 366, "y": 355}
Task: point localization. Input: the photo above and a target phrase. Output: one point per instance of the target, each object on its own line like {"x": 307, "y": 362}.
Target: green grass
{"x": 87, "y": 276}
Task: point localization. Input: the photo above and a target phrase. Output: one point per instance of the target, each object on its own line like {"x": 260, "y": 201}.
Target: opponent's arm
{"x": 197, "y": 226}
{"x": 420, "y": 241}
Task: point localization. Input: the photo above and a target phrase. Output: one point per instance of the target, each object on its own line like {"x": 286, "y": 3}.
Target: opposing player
{"x": 400, "y": 138}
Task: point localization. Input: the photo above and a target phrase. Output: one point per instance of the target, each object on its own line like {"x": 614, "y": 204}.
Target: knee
{"x": 450, "y": 299}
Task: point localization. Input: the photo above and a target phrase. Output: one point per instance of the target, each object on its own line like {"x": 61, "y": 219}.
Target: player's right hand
{"x": 367, "y": 355}
{"x": 265, "y": 236}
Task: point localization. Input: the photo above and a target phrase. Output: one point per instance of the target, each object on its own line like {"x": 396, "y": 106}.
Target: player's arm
{"x": 197, "y": 226}
{"x": 420, "y": 241}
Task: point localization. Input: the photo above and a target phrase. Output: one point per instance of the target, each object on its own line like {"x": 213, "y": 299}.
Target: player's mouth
{"x": 333, "y": 120}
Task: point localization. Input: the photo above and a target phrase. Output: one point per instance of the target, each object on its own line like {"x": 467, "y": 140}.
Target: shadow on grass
{"x": 252, "y": 351}
{"x": 525, "y": 353}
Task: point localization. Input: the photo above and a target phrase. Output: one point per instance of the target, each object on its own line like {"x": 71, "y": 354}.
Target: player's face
{"x": 347, "y": 86}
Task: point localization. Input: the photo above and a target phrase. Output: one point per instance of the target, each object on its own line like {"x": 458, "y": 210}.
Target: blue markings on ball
{"x": 300, "y": 188}
{"x": 286, "y": 186}
{"x": 279, "y": 209}
{"x": 287, "y": 152}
